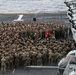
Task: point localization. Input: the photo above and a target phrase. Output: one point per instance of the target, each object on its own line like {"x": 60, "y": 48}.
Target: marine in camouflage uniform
{"x": 50, "y": 54}
{"x": 36, "y": 34}
{"x": 40, "y": 33}
{"x": 57, "y": 57}
{"x": 44, "y": 57}
{"x": 11, "y": 61}
{"x": 20, "y": 58}
{"x": 39, "y": 59}
{"x": 24, "y": 59}
{"x": 7, "y": 62}
{"x": 33, "y": 59}
{"x": 27, "y": 60}
{"x": 0, "y": 60}
{"x": 3, "y": 64}
{"x": 16, "y": 60}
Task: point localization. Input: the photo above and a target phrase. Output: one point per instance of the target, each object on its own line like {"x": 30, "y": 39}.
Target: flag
{"x": 47, "y": 33}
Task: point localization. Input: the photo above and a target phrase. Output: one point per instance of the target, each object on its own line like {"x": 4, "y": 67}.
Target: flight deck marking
{"x": 13, "y": 71}
{"x": 19, "y": 18}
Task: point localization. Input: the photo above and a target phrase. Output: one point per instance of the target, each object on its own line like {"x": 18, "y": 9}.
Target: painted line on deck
{"x": 64, "y": 12}
{"x": 42, "y": 67}
{"x": 13, "y": 71}
{"x": 20, "y": 13}
{"x": 19, "y": 18}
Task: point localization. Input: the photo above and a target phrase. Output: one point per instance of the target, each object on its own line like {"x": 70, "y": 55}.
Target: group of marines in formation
{"x": 34, "y": 44}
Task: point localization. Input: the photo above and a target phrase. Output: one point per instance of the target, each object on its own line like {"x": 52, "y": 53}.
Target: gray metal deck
{"x": 33, "y": 71}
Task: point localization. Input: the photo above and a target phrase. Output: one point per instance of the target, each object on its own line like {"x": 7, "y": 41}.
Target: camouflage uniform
{"x": 16, "y": 60}
{"x": 3, "y": 64}
{"x": 28, "y": 33}
{"x": 50, "y": 57}
{"x": 7, "y": 62}
{"x": 20, "y": 58}
{"x": 24, "y": 59}
{"x": 11, "y": 61}
{"x": 36, "y": 34}
{"x": 40, "y": 33}
{"x": 39, "y": 59}
{"x": 27, "y": 59}
{"x": 0, "y": 60}
{"x": 33, "y": 59}
{"x": 44, "y": 57}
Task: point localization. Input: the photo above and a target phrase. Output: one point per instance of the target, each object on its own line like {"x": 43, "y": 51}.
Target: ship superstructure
{"x": 71, "y": 13}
